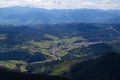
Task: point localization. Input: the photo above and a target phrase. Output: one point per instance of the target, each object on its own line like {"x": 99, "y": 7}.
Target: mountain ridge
{"x": 29, "y": 15}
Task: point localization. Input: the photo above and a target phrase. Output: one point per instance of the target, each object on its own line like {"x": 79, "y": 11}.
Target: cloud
{"x": 105, "y": 1}
{"x": 62, "y": 4}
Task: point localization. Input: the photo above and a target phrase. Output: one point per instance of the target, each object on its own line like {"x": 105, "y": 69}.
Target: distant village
{"x": 56, "y": 48}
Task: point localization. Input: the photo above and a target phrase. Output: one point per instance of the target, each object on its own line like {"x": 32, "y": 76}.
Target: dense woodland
{"x": 76, "y": 51}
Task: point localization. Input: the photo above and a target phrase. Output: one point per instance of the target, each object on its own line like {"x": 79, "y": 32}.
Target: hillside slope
{"x": 106, "y": 67}
{"x": 10, "y": 75}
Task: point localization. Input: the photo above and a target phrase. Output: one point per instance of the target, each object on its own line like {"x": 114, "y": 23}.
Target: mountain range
{"x": 29, "y": 15}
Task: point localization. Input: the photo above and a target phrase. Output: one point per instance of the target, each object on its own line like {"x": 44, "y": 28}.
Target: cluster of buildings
{"x": 56, "y": 48}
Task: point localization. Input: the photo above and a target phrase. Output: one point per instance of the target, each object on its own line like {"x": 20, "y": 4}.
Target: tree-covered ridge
{"x": 103, "y": 68}
{"x": 12, "y": 75}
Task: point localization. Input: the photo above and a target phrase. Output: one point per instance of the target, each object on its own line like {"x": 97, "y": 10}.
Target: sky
{"x": 63, "y": 4}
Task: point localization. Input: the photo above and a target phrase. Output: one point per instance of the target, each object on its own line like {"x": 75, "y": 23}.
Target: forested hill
{"x": 106, "y": 67}
{"x": 11, "y": 75}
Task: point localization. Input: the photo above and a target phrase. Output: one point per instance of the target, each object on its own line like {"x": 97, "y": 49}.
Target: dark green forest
{"x": 75, "y": 51}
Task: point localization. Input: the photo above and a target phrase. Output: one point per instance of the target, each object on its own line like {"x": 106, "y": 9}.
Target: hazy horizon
{"x": 61, "y": 4}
